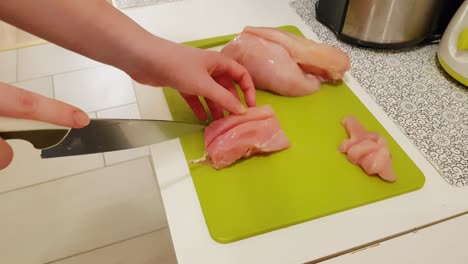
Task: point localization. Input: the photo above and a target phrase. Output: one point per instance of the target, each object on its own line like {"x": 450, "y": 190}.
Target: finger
{"x": 216, "y": 93}
{"x": 19, "y": 103}
{"x": 196, "y": 106}
{"x": 228, "y": 84}
{"x": 242, "y": 77}
{"x": 216, "y": 110}
{"x": 6, "y": 154}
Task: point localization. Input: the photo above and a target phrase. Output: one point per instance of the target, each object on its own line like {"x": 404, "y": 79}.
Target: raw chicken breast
{"x": 326, "y": 61}
{"x": 241, "y": 136}
{"x": 367, "y": 149}
{"x": 254, "y": 113}
{"x": 270, "y": 66}
{"x": 286, "y": 64}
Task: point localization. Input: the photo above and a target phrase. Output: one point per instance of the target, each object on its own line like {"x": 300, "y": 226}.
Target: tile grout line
{"x": 17, "y": 65}
{"x": 109, "y": 108}
{"x": 53, "y": 85}
{"x": 66, "y": 72}
{"x": 34, "y": 79}
{"x": 107, "y": 245}
{"x": 48, "y": 181}
{"x": 106, "y": 163}
{"x": 103, "y": 157}
{"x": 67, "y": 176}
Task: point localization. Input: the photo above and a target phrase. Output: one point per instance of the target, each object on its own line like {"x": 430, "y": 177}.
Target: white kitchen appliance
{"x": 453, "y": 48}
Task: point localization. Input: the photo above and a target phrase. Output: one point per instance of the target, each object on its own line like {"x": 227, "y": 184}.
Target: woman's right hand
{"x": 21, "y": 104}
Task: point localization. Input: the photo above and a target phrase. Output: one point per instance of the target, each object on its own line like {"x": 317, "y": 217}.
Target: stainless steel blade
{"x": 104, "y": 135}
{"x": 40, "y": 139}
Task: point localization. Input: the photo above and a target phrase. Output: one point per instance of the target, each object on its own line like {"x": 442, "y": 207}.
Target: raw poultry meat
{"x": 286, "y": 64}
{"x": 367, "y": 149}
{"x": 241, "y": 136}
{"x": 324, "y": 60}
{"x": 217, "y": 128}
{"x": 270, "y": 66}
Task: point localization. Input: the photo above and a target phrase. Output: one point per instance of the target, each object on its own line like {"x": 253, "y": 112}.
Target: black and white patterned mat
{"x": 415, "y": 92}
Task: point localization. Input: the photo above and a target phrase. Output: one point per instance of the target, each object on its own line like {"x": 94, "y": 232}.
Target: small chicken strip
{"x": 368, "y": 150}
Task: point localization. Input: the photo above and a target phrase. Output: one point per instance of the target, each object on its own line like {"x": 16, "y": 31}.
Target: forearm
{"x": 93, "y": 28}
{"x": 97, "y": 30}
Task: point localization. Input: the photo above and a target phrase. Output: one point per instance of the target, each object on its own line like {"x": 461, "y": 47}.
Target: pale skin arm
{"x": 97, "y": 30}
{"x": 101, "y": 32}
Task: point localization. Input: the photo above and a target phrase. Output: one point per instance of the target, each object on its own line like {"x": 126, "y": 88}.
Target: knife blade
{"x": 103, "y": 135}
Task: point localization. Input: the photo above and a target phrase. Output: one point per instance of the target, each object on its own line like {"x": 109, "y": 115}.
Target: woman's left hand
{"x": 195, "y": 72}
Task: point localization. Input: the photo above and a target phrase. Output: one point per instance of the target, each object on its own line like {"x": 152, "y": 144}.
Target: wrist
{"x": 149, "y": 61}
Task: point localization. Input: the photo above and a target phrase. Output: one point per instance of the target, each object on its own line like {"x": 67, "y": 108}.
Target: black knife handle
{"x": 40, "y": 139}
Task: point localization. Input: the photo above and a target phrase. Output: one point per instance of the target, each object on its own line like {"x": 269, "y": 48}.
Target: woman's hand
{"x": 91, "y": 30}
{"x": 195, "y": 72}
{"x": 22, "y": 104}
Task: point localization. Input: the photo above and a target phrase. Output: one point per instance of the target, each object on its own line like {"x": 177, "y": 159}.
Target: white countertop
{"x": 125, "y": 216}
{"x": 300, "y": 243}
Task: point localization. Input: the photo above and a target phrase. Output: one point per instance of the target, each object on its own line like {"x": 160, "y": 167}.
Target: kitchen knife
{"x": 102, "y": 135}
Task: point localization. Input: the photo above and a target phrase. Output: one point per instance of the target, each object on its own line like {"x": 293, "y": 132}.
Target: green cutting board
{"x": 311, "y": 179}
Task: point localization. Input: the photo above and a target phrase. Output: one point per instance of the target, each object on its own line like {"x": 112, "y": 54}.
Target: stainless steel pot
{"x": 387, "y": 23}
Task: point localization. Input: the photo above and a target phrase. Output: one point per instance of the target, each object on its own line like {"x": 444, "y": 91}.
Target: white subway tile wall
{"x": 94, "y": 89}
{"x": 43, "y": 86}
{"x": 79, "y": 213}
{"x": 8, "y": 66}
{"x": 146, "y": 249}
{"x": 48, "y": 59}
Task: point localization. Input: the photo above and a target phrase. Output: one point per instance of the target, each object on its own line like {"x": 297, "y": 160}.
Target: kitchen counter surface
{"x": 310, "y": 241}
{"x": 140, "y": 205}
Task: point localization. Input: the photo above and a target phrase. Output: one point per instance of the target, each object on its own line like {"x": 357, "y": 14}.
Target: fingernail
{"x": 81, "y": 119}
{"x": 242, "y": 109}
